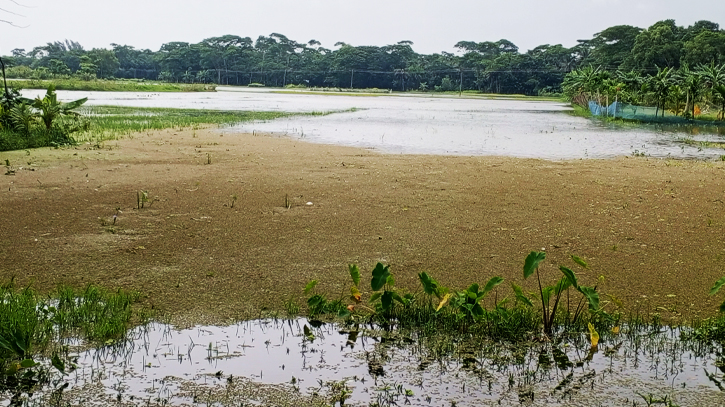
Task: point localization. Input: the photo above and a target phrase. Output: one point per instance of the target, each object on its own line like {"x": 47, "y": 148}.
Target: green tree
{"x": 658, "y": 46}
{"x": 58, "y": 67}
{"x": 704, "y": 48}
{"x": 611, "y": 47}
{"x": 105, "y": 61}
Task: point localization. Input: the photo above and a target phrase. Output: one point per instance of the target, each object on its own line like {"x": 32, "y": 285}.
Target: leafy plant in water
{"x": 318, "y": 304}
{"x": 714, "y": 290}
{"x": 554, "y": 292}
{"x": 384, "y": 293}
{"x": 469, "y": 301}
{"x": 432, "y": 288}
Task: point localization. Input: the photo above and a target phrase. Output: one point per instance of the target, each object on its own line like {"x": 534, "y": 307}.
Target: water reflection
{"x": 367, "y": 365}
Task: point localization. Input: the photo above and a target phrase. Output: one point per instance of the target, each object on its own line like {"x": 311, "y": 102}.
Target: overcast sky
{"x": 433, "y": 25}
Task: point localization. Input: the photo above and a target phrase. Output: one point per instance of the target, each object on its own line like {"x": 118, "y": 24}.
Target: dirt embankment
{"x": 655, "y": 229}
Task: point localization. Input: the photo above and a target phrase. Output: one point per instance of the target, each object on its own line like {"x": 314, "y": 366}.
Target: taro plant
{"x": 432, "y": 288}
{"x": 554, "y": 292}
{"x": 714, "y": 290}
{"x": 468, "y": 301}
{"x": 384, "y": 292}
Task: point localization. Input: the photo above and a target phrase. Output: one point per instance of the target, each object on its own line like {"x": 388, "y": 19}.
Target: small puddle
{"x": 272, "y": 362}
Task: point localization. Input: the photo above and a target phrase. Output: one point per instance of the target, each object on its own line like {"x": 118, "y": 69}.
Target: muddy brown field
{"x": 654, "y": 229}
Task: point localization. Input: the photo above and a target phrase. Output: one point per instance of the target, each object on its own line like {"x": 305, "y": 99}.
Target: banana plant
{"x": 51, "y": 109}
{"x": 720, "y": 91}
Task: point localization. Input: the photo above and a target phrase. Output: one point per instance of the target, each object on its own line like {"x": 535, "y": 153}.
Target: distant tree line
{"x": 275, "y": 60}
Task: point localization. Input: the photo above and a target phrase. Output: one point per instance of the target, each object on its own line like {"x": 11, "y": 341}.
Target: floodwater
{"x": 159, "y": 365}
{"x": 410, "y": 124}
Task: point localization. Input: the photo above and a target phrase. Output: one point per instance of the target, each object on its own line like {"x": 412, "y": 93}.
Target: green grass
{"x": 110, "y": 122}
{"x": 38, "y": 137}
{"x": 113, "y": 122}
{"x": 109, "y": 85}
{"x": 579, "y": 111}
{"x": 92, "y": 314}
{"x": 34, "y": 326}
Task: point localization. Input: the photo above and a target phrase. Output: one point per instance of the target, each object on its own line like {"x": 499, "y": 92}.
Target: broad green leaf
{"x": 717, "y": 286}
{"x": 532, "y": 262}
{"x": 520, "y": 295}
{"x": 473, "y": 289}
{"x": 27, "y": 363}
{"x": 546, "y": 293}
{"x": 477, "y": 310}
{"x": 570, "y": 275}
{"x": 375, "y": 297}
{"x": 492, "y": 283}
{"x": 400, "y": 299}
{"x": 315, "y": 301}
{"x": 444, "y": 301}
{"x": 578, "y": 260}
{"x": 562, "y": 285}
{"x": 387, "y": 300}
{"x": 722, "y": 307}
{"x": 380, "y": 277}
{"x": 343, "y": 313}
{"x": 355, "y": 274}
{"x": 391, "y": 281}
{"x": 73, "y": 105}
{"x": 58, "y": 363}
{"x": 310, "y": 286}
{"x": 592, "y": 297}
{"x": 430, "y": 286}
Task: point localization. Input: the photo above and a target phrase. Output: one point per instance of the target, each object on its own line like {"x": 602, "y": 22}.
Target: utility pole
{"x": 284, "y": 80}
{"x": 5, "y": 82}
{"x": 352, "y": 75}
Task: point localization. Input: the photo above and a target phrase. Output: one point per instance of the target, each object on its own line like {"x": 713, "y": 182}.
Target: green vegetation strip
{"x": 109, "y": 122}
{"x": 109, "y": 85}
{"x": 561, "y": 307}
{"x": 32, "y": 325}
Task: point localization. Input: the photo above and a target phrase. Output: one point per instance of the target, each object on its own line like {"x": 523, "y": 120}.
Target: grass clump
{"x": 32, "y": 326}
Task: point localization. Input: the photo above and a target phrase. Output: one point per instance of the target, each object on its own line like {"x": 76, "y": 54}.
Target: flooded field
{"x": 273, "y": 362}
{"x": 434, "y": 125}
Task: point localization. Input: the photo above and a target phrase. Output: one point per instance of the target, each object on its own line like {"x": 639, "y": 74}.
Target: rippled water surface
{"x": 161, "y": 365}
{"x": 434, "y": 125}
